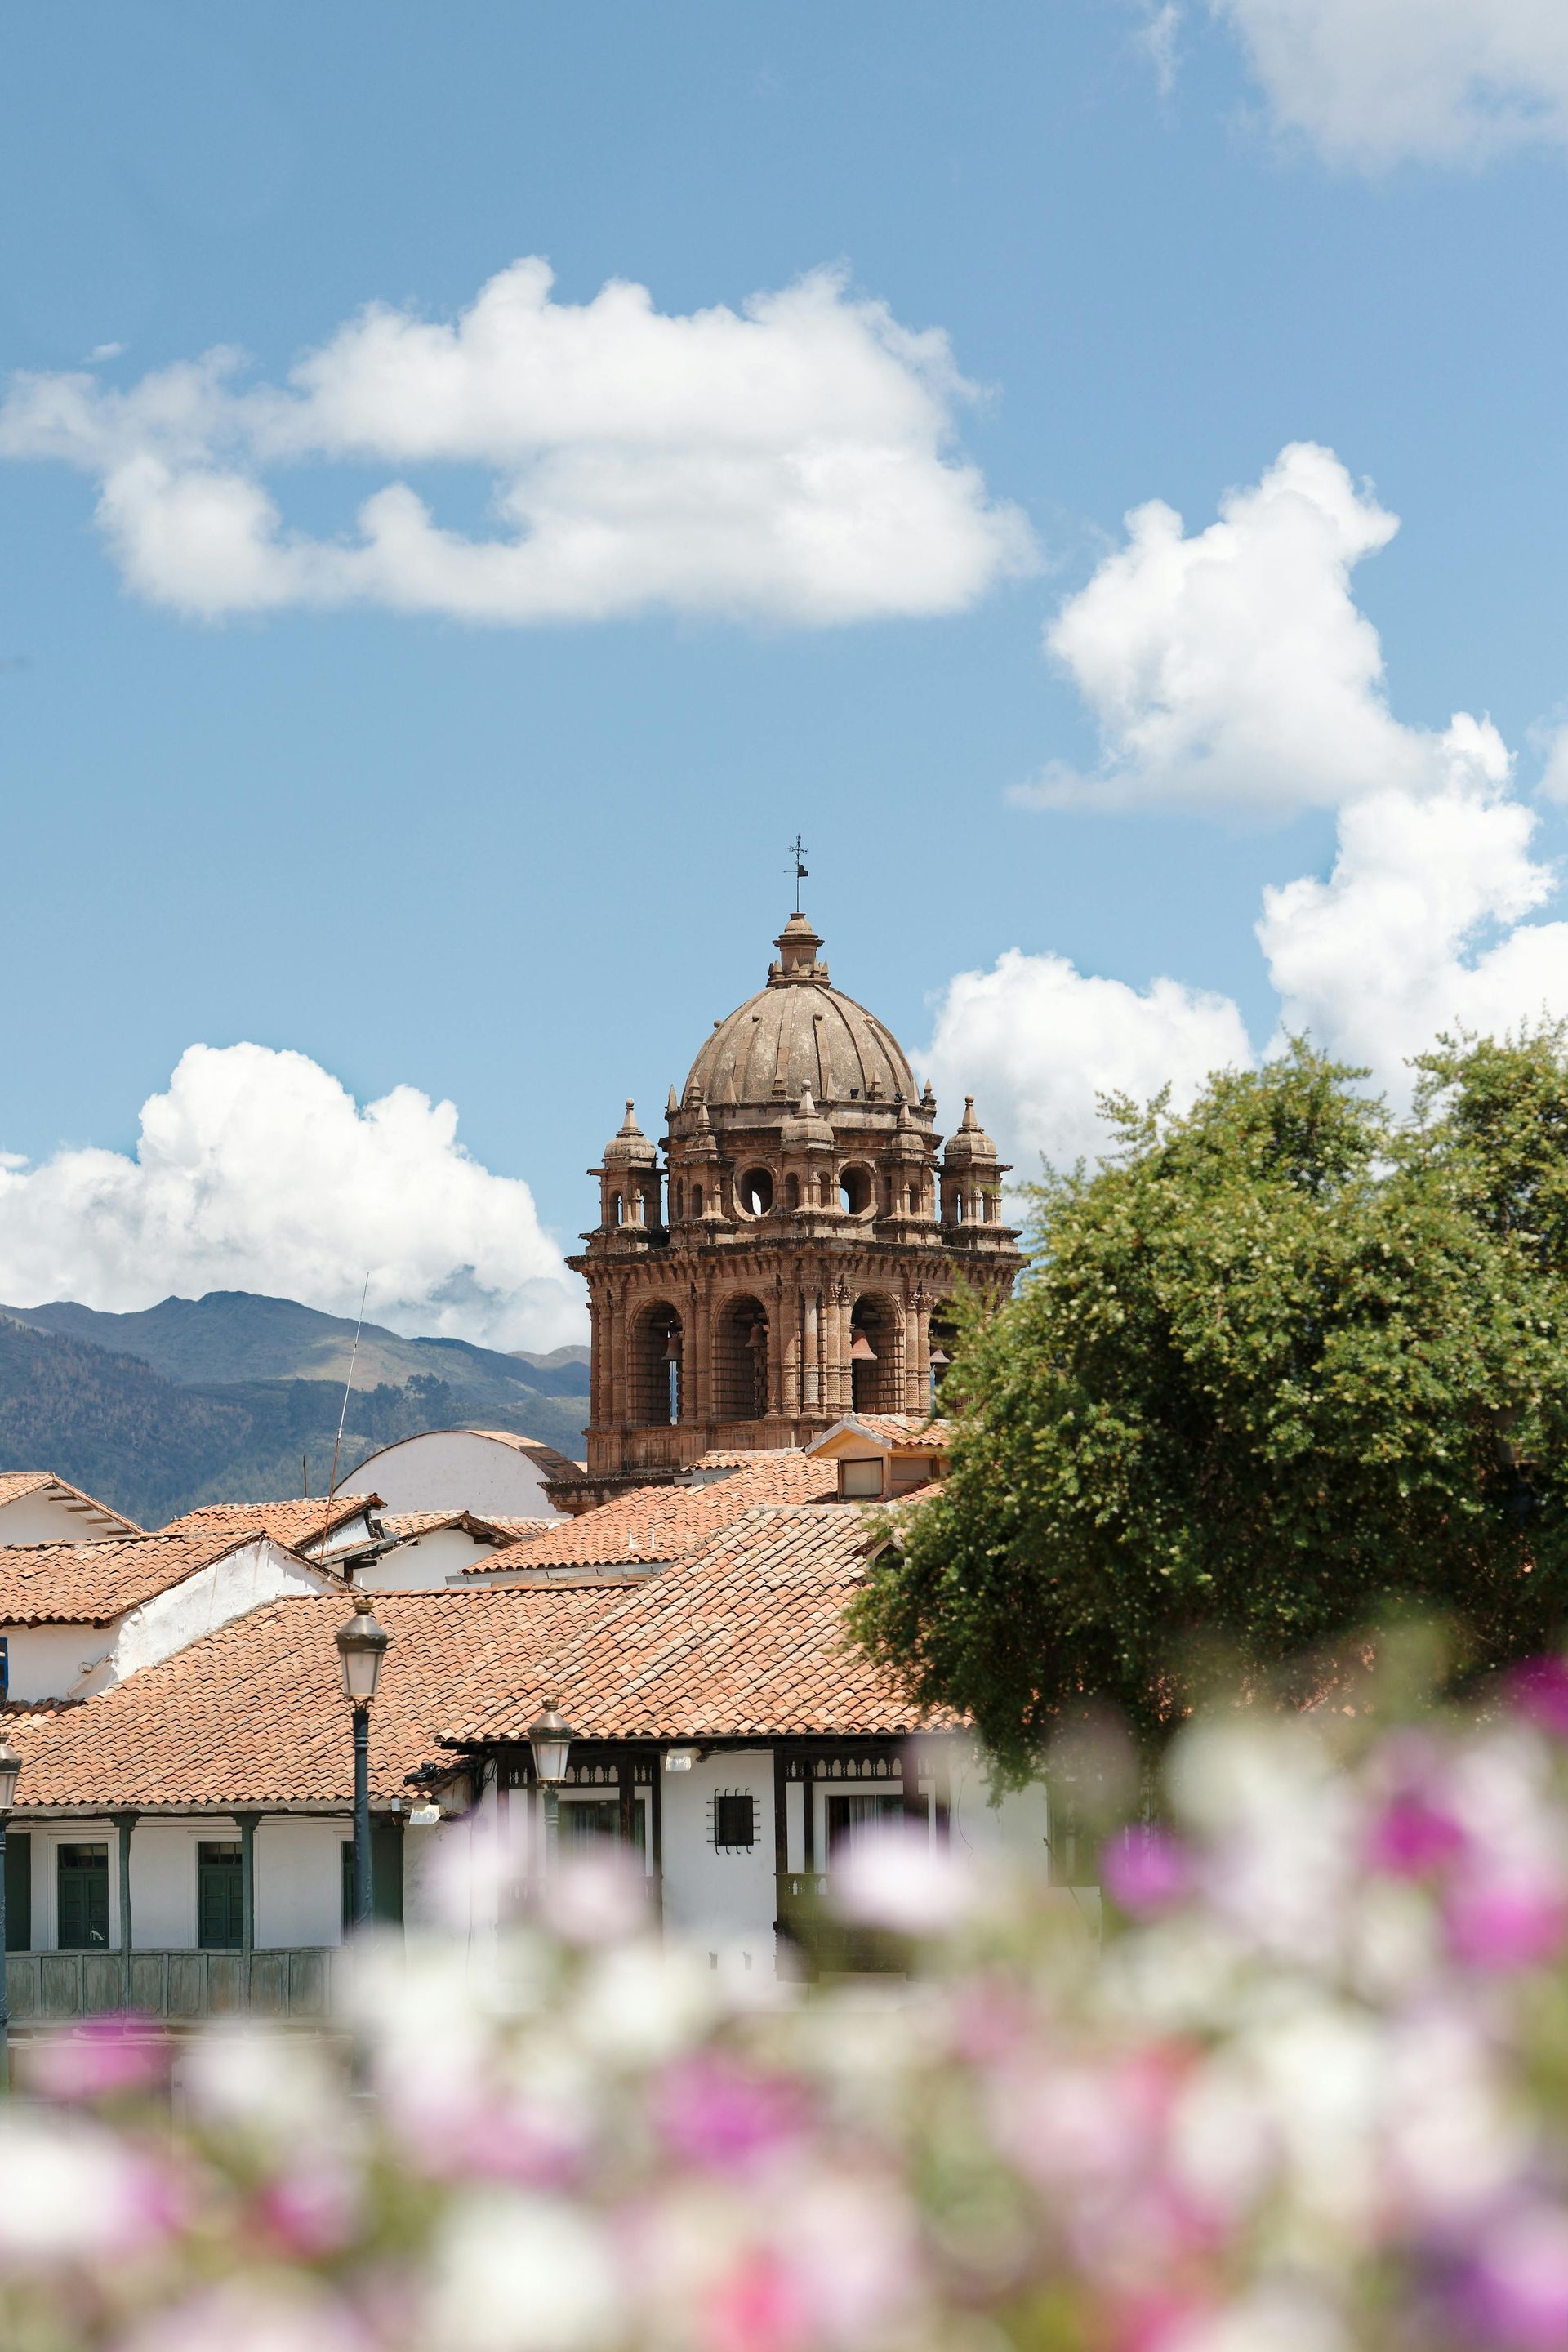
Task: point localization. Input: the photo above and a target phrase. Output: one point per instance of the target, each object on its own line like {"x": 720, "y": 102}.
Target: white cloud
{"x": 1418, "y": 928}
{"x": 1036, "y": 1040}
{"x": 1369, "y": 82}
{"x": 1234, "y": 667}
{"x": 257, "y": 1171}
{"x": 1157, "y": 38}
{"x": 796, "y": 461}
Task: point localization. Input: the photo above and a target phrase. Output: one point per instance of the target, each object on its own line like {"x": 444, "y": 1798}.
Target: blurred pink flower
{"x": 755, "y": 2307}
{"x": 1412, "y": 1837}
{"x": 714, "y": 2111}
{"x": 893, "y": 1874}
{"x": 1500, "y": 1924}
{"x": 1517, "y": 2291}
{"x": 102, "y": 2055}
{"x": 274, "y": 2314}
{"x": 1539, "y": 1691}
{"x": 1145, "y": 1870}
{"x": 314, "y": 2209}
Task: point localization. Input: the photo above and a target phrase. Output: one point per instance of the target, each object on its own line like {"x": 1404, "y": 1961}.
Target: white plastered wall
{"x": 38, "y": 1518}
{"x": 299, "y": 1880}
{"x": 456, "y": 1470}
{"x": 726, "y": 1899}
{"x": 50, "y": 1661}
{"x": 245, "y": 1579}
{"x": 425, "y": 1563}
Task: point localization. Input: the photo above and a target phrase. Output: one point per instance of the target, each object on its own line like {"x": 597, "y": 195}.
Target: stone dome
{"x": 629, "y": 1147}
{"x": 798, "y": 1033}
{"x": 970, "y": 1145}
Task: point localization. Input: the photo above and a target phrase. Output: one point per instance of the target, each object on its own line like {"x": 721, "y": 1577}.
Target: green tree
{"x": 1280, "y": 1365}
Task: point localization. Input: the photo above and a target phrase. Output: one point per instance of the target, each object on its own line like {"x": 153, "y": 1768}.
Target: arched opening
{"x": 791, "y": 1192}
{"x": 618, "y": 1209}
{"x": 943, "y": 1348}
{"x": 679, "y": 1207}
{"x": 875, "y": 1355}
{"x": 741, "y": 1360}
{"x": 697, "y": 1200}
{"x": 755, "y": 1192}
{"x": 656, "y": 1367}
{"x": 856, "y": 1187}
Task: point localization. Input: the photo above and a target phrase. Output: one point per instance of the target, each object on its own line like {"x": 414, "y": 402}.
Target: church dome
{"x": 799, "y": 1032}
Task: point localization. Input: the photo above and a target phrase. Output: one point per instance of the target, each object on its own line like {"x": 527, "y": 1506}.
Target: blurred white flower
{"x": 597, "y": 1897}
{"x": 894, "y": 1875}
{"x": 241, "y": 2078}
{"x": 519, "y": 2273}
{"x": 74, "y": 2192}
{"x": 641, "y": 2001}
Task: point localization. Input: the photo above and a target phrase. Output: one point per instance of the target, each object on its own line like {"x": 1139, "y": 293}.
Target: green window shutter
{"x": 385, "y": 1876}
{"x": 220, "y": 1895}
{"x": 386, "y": 1871}
{"x": 18, "y": 1891}
{"x": 83, "y": 1908}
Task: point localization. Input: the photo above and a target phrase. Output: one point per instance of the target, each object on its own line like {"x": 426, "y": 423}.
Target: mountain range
{"x": 236, "y": 1397}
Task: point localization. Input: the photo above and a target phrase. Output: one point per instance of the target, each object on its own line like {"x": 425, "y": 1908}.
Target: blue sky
{"x": 520, "y": 865}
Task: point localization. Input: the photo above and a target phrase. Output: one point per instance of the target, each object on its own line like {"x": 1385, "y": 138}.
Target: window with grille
{"x": 734, "y": 1820}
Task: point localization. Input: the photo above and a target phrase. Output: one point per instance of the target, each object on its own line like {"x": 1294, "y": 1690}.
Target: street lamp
{"x": 10, "y": 1765}
{"x": 362, "y": 1645}
{"x": 551, "y": 1739}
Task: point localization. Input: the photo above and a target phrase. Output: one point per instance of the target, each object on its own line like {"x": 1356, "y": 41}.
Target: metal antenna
{"x": 797, "y": 852}
{"x": 348, "y": 1384}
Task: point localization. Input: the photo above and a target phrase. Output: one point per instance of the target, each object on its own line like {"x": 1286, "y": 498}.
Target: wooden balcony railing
{"x": 827, "y": 1946}
{"x": 182, "y": 1987}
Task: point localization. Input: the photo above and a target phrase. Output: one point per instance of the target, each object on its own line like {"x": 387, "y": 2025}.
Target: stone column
{"x": 812, "y": 1353}
{"x": 917, "y": 1378}
{"x": 791, "y": 1313}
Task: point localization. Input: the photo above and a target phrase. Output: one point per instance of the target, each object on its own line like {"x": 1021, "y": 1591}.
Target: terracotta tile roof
{"x": 93, "y": 1583}
{"x": 734, "y": 1457}
{"x": 911, "y": 1433}
{"x": 653, "y": 1524}
{"x": 15, "y": 1484}
{"x": 254, "y": 1714}
{"x": 745, "y": 1638}
{"x": 292, "y": 1522}
{"x": 405, "y": 1524}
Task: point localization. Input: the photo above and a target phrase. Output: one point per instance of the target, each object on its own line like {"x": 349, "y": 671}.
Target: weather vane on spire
{"x": 797, "y": 851}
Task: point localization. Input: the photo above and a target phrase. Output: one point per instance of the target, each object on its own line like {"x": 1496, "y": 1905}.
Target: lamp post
{"x": 362, "y": 1645}
{"x": 551, "y": 1739}
{"x": 10, "y": 1765}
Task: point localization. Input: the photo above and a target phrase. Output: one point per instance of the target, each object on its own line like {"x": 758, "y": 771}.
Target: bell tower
{"x": 790, "y": 1260}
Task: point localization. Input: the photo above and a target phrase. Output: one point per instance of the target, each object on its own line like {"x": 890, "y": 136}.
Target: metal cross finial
{"x": 797, "y": 851}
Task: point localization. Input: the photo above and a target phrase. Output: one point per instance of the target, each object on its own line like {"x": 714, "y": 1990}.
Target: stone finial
{"x": 629, "y": 1144}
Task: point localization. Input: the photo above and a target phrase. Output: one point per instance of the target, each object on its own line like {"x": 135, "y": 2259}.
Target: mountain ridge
{"x": 235, "y": 1396}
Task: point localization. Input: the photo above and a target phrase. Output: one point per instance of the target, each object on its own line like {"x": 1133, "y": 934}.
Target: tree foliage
{"x": 1280, "y": 1365}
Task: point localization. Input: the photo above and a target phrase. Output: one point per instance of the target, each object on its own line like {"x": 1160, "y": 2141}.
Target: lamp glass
{"x": 10, "y": 1765}
{"x": 362, "y": 1645}
{"x": 551, "y": 1739}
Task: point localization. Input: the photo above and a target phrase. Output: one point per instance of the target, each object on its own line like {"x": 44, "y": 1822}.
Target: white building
{"x": 36, "y": 1507}
{"x": 182, "y": 1836}
{"x": 76, "y": 1617}
{"x": 491, "y": 1472}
